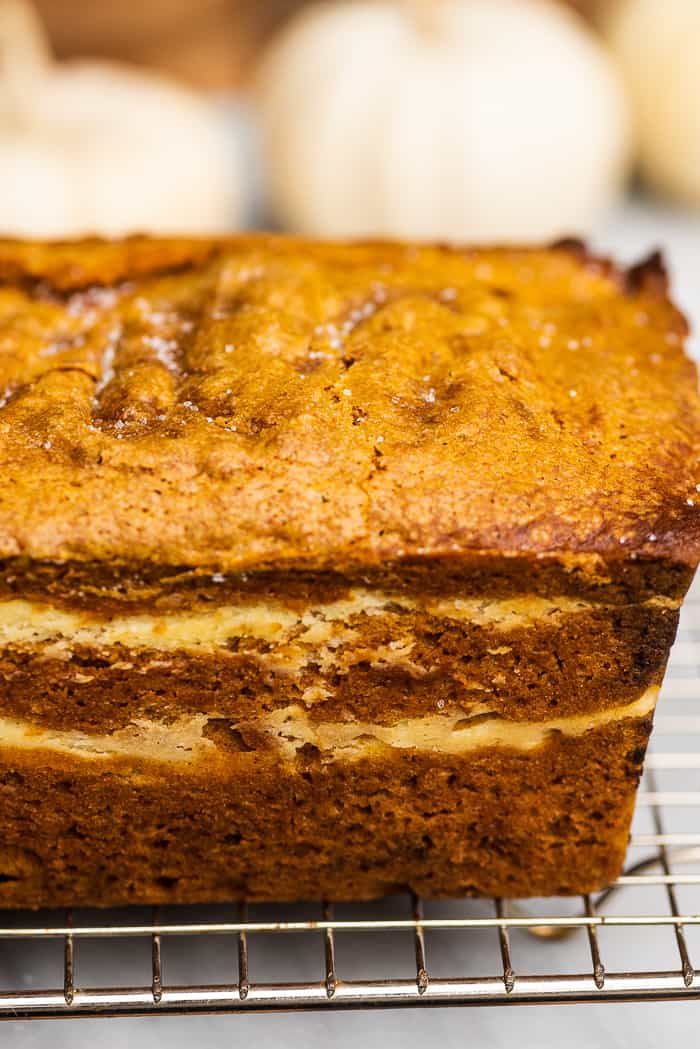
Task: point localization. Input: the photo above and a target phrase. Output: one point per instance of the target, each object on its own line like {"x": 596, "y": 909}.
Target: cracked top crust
{"x": 263, "y": 402}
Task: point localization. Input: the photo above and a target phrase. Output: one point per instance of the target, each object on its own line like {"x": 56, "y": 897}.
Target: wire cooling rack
{"x": 637, "y": 940}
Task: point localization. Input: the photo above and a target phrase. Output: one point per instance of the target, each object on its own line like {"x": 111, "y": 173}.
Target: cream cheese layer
{"x": 31, "y": 623}
{"x": 287, "y": 730}
{"x": 292, "y": 728}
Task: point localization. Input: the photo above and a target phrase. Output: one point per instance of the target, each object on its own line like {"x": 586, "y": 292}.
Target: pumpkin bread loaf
{"x": 332, "y": 569}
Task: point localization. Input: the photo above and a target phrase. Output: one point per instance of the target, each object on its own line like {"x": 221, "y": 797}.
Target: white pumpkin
{"x": 476, "y": 119}
{"x": 658, "y": 48}
{"x": 93, "y": 146}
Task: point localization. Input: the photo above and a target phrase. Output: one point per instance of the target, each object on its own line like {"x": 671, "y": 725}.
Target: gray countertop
{"x": 629, "y": 1026}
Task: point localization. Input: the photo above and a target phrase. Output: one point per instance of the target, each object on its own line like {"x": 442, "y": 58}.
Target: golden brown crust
{"x": 262, "y": 402}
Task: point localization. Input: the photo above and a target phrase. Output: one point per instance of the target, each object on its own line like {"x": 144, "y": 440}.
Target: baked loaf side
{"x": 343, "y": 569}
{"x": 501, "y": 820}
{"x": 349, "y": 749}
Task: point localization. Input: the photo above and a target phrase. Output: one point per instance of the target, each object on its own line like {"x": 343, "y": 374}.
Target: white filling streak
{"x": 290, "y": 729}
{"x": 26, "y": 622}
{"x": 446, "y": 735}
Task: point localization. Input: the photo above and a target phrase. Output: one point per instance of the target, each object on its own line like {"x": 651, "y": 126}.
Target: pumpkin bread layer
{"x": 522, "y": 658}
{"x": 108, "y": 589}
{"x": 343, "y": 568}
{"x": 115, "y": 830}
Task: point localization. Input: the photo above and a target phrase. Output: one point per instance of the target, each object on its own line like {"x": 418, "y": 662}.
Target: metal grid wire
{"x": 637, "y": 940}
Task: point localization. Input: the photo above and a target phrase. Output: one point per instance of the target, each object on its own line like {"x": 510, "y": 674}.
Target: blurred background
{"x": 468, "y": 119}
